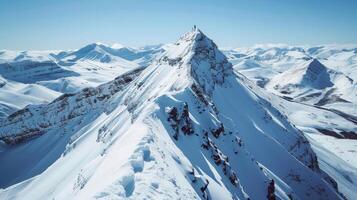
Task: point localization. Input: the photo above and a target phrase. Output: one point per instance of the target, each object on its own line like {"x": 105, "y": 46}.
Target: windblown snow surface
{"x": 185, "y": 127}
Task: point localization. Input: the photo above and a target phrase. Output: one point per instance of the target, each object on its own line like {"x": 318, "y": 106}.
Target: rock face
{"x": 317, "y": 75}
{"x": 184, "y": 127}
{"x": 209, "y": 66}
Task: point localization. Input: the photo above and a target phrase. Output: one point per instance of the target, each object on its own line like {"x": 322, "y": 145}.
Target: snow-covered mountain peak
{"x": 90, "y": 47}
{"x": 311, "y": 74}
{"x": 191, "y": 35}
{"x": 92, "y": 51}
{"x": 209, "y": 65}
{"x": 206, "y": 64}
{"x": 117, "y": 46}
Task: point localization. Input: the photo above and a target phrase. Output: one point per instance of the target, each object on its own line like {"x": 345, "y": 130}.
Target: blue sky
{"x": 70, "y": 24}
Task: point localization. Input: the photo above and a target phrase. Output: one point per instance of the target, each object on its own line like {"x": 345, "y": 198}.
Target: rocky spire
{"x": 208, "y": 65}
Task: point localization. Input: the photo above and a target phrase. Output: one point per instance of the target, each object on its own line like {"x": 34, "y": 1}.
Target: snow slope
{"x": 184, "y": 127}
{"x": 15, "y": 96}
{"x": 332, "y": 137}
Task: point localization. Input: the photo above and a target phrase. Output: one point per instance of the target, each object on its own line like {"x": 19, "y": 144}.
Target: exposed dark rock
{"x": 271, "y": 191}
{"x": 217, "y": 132}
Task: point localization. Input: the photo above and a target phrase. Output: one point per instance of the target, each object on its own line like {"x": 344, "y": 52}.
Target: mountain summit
{"x": 209, "y": 66}
{"x": 185, "y": 127}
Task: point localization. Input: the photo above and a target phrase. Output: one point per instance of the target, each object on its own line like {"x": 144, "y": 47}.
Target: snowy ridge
{"x": 185, "y": 127}
{"x": 38, "y": 119}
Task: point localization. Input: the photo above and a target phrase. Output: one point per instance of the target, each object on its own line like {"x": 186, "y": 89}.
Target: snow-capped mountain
{"x": 106, "y": 54}
{"x": 314, "y": 83}
{"x": 319, "y": 76}
{"x": 342, "y": 58}
{"x": 187, "y": 126}
{"x": 311, "y": 75}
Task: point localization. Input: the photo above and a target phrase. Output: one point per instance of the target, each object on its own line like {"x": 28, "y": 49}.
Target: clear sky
{"x": 71, "y": 24}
